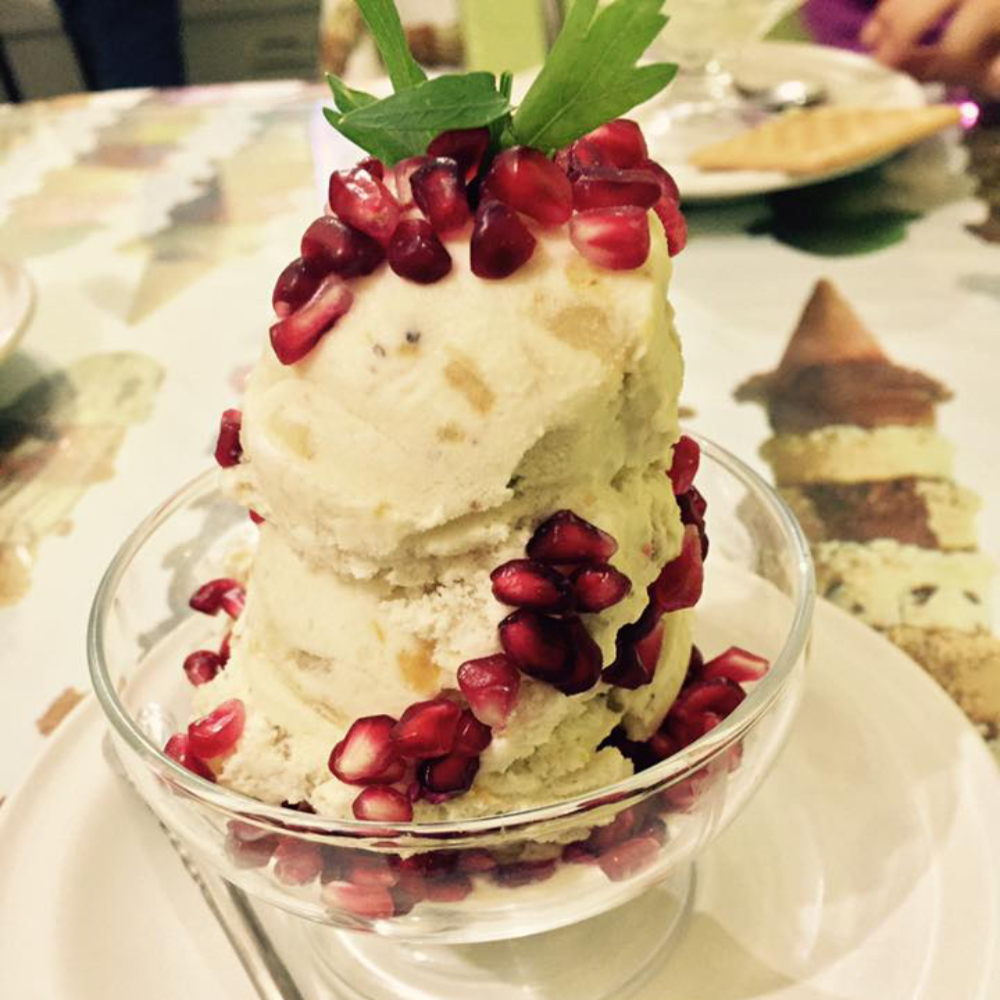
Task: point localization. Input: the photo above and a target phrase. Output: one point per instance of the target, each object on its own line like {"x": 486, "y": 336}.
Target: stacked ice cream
{"x": 857, "y": 455}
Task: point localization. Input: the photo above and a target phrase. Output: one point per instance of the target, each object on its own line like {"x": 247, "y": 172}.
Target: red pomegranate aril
{"x": 257, "y": 519}
{"x": 296, "y": 285}
{"x": 616, "y": 239}
{"x": 367, "y": 754}
{"x": 363, "y": 201}
{"x": 439, "y": 191}
{"x": 416, "y": 253}
{"x": 519, "y": 873}
{"x": 620, "y": 142}
{"x": 335, "y": 246}
{"x": 637, "y": 651}
{"x": 447, "y": 888}
{"x": 684, "y": 464}
{"x": 374, "y": 166}
{"x": 501, "y": 243}
{"x": 538, "y": 645}
{"x": 471, "y": 736}
{"x": 529, "y": 182}
{"x": 297, "y": 862}
{"x": 490, "y": 685}
{"x": 476, "y": 860}
{"x": 369, "y": 901}
{"x": 217, "y": 732}
{"x": 297, "y": 334}
{"x": 581, "y": 155}
{"x": 736, "y": 665}
{"x": 228, "y": 450}
{"x": 247, "y": 832}
{"x": 449, "y": 775}
{"x": 255, "y": 853}
{"x": 178, "y": 748}
{"x": 607, "y": 187}
{"x": 599, "y": 587}
{"x": 628, "y": 859}
{"x": 217, "y": 595}
{"x": 692, "y": 507}
{"x": 225, "y": 648}
{"x": 430, "y": 862}
{"x": 201, "y": 666}
{"x": 618, "y": 830}
{"x": 674, "y": 224}
{"x": 719, "y": 696}
{"x": 427, "y": 729}
{"x": 578, "y": 853}
{"x": 668, "y": 186}
{"x": 402, "y": 172}
{"x": 680, "y": 582}
{"x": 584, "y": 669}
{"x": 567, "y": 538}
{"x": 527, "y": 583}
{"x": 383, "y": 805}
{"x": 466, "y": 146}
{"x": 370, "y": 869}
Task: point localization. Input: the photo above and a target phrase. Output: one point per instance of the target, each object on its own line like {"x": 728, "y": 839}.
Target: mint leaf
{"x": 590, "y": 75}
{"x": 383, "y": 22}
{"x": 345, "y": 98}
{"x": 402, "y": 125}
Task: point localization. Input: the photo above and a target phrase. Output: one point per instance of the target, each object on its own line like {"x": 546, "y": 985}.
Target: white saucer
{"x": 16, "y": 300}
{"x": 850, "y": 79}
{"x": 867, "y": 867}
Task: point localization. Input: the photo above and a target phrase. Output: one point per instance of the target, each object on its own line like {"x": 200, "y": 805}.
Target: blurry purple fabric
{"x": 837, "y": 22}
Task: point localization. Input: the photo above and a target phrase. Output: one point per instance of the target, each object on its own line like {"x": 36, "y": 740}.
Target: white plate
{"x": 867, "y": 867}
{"x": 16, "y": 299}
{"x": 850, "y": 79}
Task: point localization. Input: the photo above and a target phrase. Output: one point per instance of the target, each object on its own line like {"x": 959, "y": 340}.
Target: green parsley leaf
{"x": 590, "y": 75}
{"x": 345, "y": 98}
{"x": 383, "y": 22}
{"x": 402, "y": 125}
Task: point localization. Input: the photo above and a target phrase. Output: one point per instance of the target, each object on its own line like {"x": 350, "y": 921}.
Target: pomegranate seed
{"x": 247, "y": 832}
{"x": 566, "y": 538}
{"x": 599, "y": 587}
{"x": 577, "y": 853}
{"x": 466, "y": 146}
{"x": 581, "y": 155}
{"x": 297, "y": 862}
{"x": 449, "y": 775}
{"x": 223, "y": 594}
{"x": 448, "y": 889}
{"x": 616, "y": 239}
{"x": 402, "y": 172}
{"x": 607, "y": 187}
{"x": 585, "y": 665}
{"x": 371, "y": 902}
{"x": 225, "y": 648}
{"x": 620, "y": 142}
{"x": 736, "y": 665}
{"x": 217, "y": 732}
{"x": 693, "y": 506}
{"x": 416, "y": 253}
{"x": 370, "y": 869}
{"x": 520, "y": 873}
{"x": 296, "y": 285}
{"x": 471, "y": 737}
{"x": 684, "y": 465}
{"x": 333, "y": 245}
{"x": 367, "y": 754}
{"x": 476, "y": 860}
{"x": 501, "y": 243}
{"x": 374, "y": 166}
{"x": 680, "y": 582}
{"x": 719, "y": 697}
{"x": 616, "y": 832}
{"x": 439, "y": 192}
{"x": 178, "y": 748}
{"x": 668, "y": 186}
{"x": 383, "y": 805}
{"x": 539, "y": 645}
{"x": 674, "y": 225}
{"x": 363, "y": 201}
{"x": 637, "y": 651}
{"x": 628, "y": 859}
{"x": 427, "y": 729}
{"x": 490, "y": 685}
{"x": 201, "y": 666}
{"x": 430, "y": 863}
{"x": 526, "y": 583}
{"x": 228, "y": 450}
{"x": 297, "y": 334}
{"x": 528, "y": 181}
{"x": 406, "y": 896}
{"x": 251, "y": 853}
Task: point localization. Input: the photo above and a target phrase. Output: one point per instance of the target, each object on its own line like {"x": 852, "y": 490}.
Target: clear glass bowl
{"x": 494, "y": 879}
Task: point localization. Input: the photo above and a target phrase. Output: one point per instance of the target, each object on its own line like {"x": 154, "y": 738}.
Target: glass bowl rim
{"x": 662, "y": 774}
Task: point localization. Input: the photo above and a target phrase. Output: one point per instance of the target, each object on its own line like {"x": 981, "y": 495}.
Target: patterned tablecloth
{"x": 153, "y": 225}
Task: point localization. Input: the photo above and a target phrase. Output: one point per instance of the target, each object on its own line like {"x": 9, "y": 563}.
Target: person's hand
{"x": 967, "y": 53}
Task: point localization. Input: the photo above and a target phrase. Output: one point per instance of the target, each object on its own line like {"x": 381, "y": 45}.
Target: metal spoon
{"x": 787, "y": 94}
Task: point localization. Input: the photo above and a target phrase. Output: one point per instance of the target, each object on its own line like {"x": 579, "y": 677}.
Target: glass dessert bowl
{"x": 493, "y": 879}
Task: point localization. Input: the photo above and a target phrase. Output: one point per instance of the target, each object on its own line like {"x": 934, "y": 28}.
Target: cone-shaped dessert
{"x": 478, "y": 534}
{"x": 857, "y": 455}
